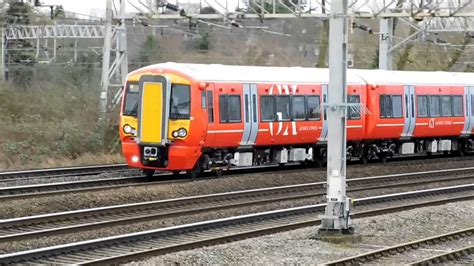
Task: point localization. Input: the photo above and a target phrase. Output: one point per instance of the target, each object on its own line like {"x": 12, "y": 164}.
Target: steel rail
{"x": 159, "y": 241}
{"x": 400, "y": 248}
{"x": 37, "y": 190}
{"x": 71, "y": 221}
{"x": 445, "y": 257}
{"x": 62, "y": 171}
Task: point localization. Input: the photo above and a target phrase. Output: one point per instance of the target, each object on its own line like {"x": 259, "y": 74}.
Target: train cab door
{"x": 211, "y": 116}
{"x": 251, "y": 119}
{"x": 468, "y": 116}
{"x": 324, "y": 131}
{"x": 410, "y": 114}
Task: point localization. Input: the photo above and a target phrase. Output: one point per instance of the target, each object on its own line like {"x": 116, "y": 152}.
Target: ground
{"x": 300, "y": 247}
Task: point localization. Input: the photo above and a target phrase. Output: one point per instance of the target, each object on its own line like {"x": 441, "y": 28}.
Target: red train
{"x": 194, "y": 117}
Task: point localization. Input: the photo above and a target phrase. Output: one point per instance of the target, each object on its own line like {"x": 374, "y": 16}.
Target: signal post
{"x": 336, "y": 218}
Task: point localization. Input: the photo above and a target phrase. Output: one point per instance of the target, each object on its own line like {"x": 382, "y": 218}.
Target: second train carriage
{"x": 194, "y": 117}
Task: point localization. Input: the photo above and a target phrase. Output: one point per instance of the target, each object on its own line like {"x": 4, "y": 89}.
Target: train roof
{"x": 259, "y": 74}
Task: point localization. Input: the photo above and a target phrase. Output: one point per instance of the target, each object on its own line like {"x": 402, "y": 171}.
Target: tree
{"x": 204, "y": 42}
{"x": 21, "y": 60}
{"x": 150, "y": 51}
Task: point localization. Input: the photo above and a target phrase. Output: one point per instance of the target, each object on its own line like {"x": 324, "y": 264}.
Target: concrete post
{"x": 336, "y": 218}
{"x": 385, "y": 43}
{"x": 106, "y": 61}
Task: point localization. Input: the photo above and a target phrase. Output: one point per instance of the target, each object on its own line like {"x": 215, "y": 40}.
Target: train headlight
{"x": 175, "y": 134}
{"x": 127, "y": 129}
{"x": 182, "y": 132}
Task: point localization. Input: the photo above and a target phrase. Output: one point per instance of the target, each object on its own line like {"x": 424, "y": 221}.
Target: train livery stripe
{"x": 357, "y": 126}
{"x": 226, "y": 131}
{"x": 390, "y": 125}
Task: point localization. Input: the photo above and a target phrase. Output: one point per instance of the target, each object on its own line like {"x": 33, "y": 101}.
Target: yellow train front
{"x": 156, "y": 121}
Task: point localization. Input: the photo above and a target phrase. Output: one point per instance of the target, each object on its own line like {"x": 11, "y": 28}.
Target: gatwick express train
{"x": 195, "y": 117}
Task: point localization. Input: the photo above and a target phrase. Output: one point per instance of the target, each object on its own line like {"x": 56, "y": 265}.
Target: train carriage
{"x": 195, "y": 117}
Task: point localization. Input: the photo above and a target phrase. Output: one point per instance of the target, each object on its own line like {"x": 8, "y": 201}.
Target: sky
{"x": 89, "y": 7}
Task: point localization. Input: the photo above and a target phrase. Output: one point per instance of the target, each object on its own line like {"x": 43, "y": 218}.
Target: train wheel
{"x": 176, "y": 173}
{"x": 148, "y": 172}
{"x": 195, "y": 172}
{"x": 219, "y": 172}
{"x": 364, "y": 159}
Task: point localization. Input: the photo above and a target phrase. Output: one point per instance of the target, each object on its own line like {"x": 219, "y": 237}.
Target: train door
{"x": 250, "y": 115}
{"x": 468, "y": 116}
{"x": 410, "y": 114}
{"x": 211, "y": 125}
{"x": 324, "y": 131}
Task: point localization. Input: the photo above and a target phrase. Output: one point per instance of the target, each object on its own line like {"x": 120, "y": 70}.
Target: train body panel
{"x": 220, "y": 116}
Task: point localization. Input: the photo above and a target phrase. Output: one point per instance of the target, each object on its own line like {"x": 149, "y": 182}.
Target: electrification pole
{"x": 336, "y": 218}
{"x": 4, "y": 56}
{"x": 385, "y": 43}
{"x": 106, "y": 61}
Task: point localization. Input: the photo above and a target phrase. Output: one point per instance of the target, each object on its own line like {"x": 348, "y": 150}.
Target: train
{"x": 196, "y": 117}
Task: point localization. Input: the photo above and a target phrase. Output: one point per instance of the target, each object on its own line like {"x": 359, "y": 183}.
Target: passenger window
{"x": 313, "y": 108}
{"x": 210, "y": 107}
{"x": 353, "y": 113}
{"x": 434, "y": 106}
{"x": 203, "y": 99}
{"x": 234, "y": 109}
{"x": 298, "y": 108}
{"x": 223, "y": 108}
{"x": 391, "y": 106}
{"x": 446, "y": 108}
{"x": 283, "y": 107}
{"x": 230, "y": 109}
{"x": 397, "y": 106}
{"x": 267, "y": 108}
{"x": 422, "y": 106}
{"x": 458, "y": 106}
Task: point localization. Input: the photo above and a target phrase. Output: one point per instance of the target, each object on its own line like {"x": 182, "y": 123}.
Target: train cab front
{"x": 159, "y": 140}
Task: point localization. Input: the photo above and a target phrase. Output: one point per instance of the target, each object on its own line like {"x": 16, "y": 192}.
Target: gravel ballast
{"x": 301, "y": 247}
{"x": 107, "y": 197}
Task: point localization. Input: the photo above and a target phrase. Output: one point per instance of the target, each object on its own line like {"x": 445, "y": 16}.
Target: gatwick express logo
{"x": 280, "y": 128}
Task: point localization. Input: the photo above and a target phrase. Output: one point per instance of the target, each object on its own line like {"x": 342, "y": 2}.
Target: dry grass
{"x": 53, "y": 125}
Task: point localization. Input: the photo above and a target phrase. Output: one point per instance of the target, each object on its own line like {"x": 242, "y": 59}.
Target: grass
{"x": 53, "y": 125}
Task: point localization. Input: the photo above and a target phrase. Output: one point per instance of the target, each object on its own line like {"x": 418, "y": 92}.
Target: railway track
{"x": 393, "y": 254}
{"x": 37, "y": 190}
{"x": 72, "y": 221}
{"x": 159, "y": 241}
{"x": 60, "y": 172}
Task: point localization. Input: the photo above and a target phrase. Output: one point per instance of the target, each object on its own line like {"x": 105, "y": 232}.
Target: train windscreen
{"x": 180, "y": 102}
{"x": 131, "y": 99}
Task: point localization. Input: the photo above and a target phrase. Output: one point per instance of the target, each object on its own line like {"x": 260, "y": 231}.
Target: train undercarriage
{"x": 218, "y": 160}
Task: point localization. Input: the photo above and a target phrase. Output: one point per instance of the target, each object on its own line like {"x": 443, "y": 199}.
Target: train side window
{"x": 203, "y": 99}
{"x": 313, "y": 108}
{"x": 353, "y": 113}
{"x": 391, "y": 106}
{"x": 446, "y": 106}
{"x": 422, "y": 106}
{"x": 267, "y": 108}
{"x": 457, "y": 106}
{"x": 298, "y": 108}
{"x": 434, "y": 106}
{"x": 283, "y": 107}
{"x": 223, "y": 108}
{"x": 397, "y": 106}
{"x": 385, "y": 106}
{"x": 235, "y": 114}
{"x": 210, "y": 107}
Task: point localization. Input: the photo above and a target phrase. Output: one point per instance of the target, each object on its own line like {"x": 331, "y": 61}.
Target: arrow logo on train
{"x": 283, "y": 90}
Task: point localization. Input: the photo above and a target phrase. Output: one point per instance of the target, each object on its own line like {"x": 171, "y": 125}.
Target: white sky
{"x": 88, "y": 6}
